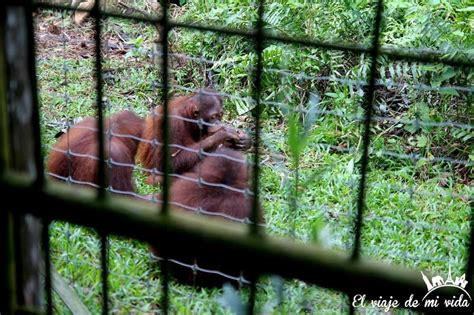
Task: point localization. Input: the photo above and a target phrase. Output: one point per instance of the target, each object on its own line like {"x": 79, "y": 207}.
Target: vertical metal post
{"x": 257, "y": 87}
{"x": 369, "y": 99}
{"x": 24, "y": 154}
{"x": 102, "y": 182}
{"x": 7, "y": 242}
{"x": 102, "y": 175}
{"x": 165, "y": 150}
{"x": 470, "y": 261}
{"x": 39, "y": 181}
{"x": 47, "y": 266}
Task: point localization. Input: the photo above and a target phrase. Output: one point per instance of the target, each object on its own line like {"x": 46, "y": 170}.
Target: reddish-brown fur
{"x": 215, "y": 169}
{"x": 187, "y": 195}
{"x": 82, "y": 139}
{"x": 205, "y": 105}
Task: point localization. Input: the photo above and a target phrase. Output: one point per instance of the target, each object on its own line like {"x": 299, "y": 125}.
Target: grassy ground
{"x": 418, "y": 210}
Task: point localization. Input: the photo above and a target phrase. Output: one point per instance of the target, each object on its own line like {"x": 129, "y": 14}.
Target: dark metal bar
{"x": 414, "y": 55}
{"x": 36, "y": 128}
{"x": 23, "y": 153}
{"x": 470, "y": 261}
{"x": 7, "y": 263}
{"x": 99, "y": 94}
{"x": 102, "y": 182}
{"x": 34, "y": 96}
{"x": 194, "y": 233}
{"x": 165, "y": 121}
{"x": 425, "y": 55}
{"x": 4, "y": 143}
{"x": 366, "y": 137}
{"x": 47, "y": 266}
{"x": 104, "y": 264}
{"x": 165, "y": 151}
{"x": 253, "y": 293}
{"x": 7, "y": 241}
{"x": 164, "y": 285}
{"x": 257, "y": 87}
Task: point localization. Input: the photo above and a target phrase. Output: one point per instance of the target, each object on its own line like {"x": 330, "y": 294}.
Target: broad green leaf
{"x": 447, "y": 74}
{"x": 411, "y": 128}
{"x": 421, "y": 141}
{"x": 449, "y": 91}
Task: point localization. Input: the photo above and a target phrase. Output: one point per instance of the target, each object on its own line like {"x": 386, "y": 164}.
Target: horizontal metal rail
{"x": 207, "y": 236}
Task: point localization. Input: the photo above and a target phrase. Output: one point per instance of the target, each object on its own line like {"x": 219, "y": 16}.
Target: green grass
{"x": 417, "y": 212}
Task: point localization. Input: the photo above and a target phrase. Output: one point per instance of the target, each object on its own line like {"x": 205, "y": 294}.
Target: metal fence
{"x": 236, "y": 243}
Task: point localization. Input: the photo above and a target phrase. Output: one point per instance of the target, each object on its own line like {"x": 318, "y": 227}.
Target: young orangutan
{"x": 81, "y": 163}
{"x": 187, "y": 136}
{"x": 216, "y": 187}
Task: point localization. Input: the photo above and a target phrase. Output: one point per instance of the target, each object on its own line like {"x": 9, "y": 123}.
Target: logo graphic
{"x": 457, "y": 300}
{"x": 438, "y": 282}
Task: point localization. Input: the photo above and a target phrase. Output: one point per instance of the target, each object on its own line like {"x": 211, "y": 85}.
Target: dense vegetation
{"x": 421, "y": 154}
